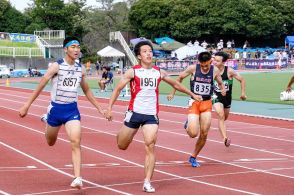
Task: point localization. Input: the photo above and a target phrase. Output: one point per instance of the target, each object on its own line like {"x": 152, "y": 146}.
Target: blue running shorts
{"x": 59, "y": 114}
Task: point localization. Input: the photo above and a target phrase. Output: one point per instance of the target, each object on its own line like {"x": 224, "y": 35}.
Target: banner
{"x": 174, "y": 65}
{"x": 17, "y": 37}
{"x": 232, "y": 63}
{"x": 265, "y": 63}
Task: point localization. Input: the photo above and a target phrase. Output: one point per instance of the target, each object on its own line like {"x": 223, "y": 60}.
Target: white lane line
{"x": 246, "y": 147}
{"x": 4, "y": 193}
{"x": 260, "y": 159}
{"x": 25, "y": 167}
{"x": 162, "y": 119}
{"x": 85, "y": 101}
{"x": 153, "y": 181}
{"x": 131, "y": 162}
{"x": 53, "y": 168}
{"x": 238, "y": 132}
{"x": 205, "y": 157}
{"x": 167, "y": 131}
{"x": 169, "y": 121}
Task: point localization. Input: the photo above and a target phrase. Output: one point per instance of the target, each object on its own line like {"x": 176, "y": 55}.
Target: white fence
{"x": 50, "y": 34}
{"x": 21, "y": 51}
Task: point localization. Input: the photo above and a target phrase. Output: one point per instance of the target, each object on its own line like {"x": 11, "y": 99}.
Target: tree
{"x": 100, "y": 22}
{"x": 265, "y": 20}
{"x": 11, "y": 20}
{"x": 150, "y": 18}
{"x": 213, "y": 19}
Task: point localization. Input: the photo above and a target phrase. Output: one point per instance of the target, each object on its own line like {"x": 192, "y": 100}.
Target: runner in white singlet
{"x": 66, "y": 75}
{"x": 144, "y": 80}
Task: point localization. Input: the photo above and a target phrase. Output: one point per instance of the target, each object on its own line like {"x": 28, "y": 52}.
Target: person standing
{"x": 66, "y": 76}
{"x": 144, "y": 79}
{"x": 97, "y": 66}
{"x": 199, "y": 113}
{"x": 222, "y": 104}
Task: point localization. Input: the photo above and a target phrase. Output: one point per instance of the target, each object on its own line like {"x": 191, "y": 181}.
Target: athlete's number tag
{"x": 226, "y": 84}
{"x": 128, "y": 116}
{"x": 150, "y": 83}
{"x": 202, "y": 88}
{"x": 70, "y": 83}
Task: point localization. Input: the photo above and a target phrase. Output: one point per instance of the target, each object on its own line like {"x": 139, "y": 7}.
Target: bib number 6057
{"x": 70, "y": 82}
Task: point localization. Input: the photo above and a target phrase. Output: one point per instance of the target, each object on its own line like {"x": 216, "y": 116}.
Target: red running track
{"x": 259, "y": 160}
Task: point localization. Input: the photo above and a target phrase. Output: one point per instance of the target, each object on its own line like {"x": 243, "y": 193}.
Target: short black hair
{"x": 68, "y": 39}
{"x": 204, "y": 56}
{"x": 139, "y": 45}
{"x": 222, "y": 54}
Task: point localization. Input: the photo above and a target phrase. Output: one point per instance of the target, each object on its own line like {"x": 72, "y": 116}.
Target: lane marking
{"x": 4, "y": 193}
{"x": 57, "y": 170}
{"x": 116, "y": 157}
{"x": 260, "y": 159}
{"x": 169, "y": 121}
{"x": 26, "y": 167}
{"x": 171, "y": 149}
{"x": 96, "y": 165}
{"x": 123, "y": 112}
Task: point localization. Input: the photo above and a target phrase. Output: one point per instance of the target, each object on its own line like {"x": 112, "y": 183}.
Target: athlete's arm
{"x": 190, "y": 70}
{"x": 289, "y": 89}
{"x": 178, "y": 86}
{"x": 237, "y": 76}
{"x": 52, "y": 70}
{"x": 218, "y": 78}
{"x": 88, "y": 93}
{"x": 128, "y": 76}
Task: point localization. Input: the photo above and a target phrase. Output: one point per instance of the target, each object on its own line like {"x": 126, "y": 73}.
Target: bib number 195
{"x": 148, "y": 82}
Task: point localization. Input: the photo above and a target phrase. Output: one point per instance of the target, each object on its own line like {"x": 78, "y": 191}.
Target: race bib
{"x": 202, "y": 88}
{"x": 226, "y": 84}
{"x": 70, "y": 83}
{"x": 150, "y": 83}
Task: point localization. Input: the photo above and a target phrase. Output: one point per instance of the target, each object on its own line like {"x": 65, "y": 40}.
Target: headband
{"x": 72, "y": 42}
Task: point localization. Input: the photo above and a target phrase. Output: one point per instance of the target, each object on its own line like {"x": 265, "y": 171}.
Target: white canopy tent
{"x": 188, "y": 50}
{"x": 110, "y": 52}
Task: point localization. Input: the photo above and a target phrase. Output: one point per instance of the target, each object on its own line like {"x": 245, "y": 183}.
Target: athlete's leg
{"x": 193, "y": 125}
{"x": 150, "y": 136}
{"x": 227, "y": 112}
{"x": 219, "y": 109}
{"x": 100, "y": 83}
{"x": 51, "y": 134}
{"x": 205, "y": 122}
{"x": 125, "y": 137}
{"x": 73, "y": 130}
{"x": 103, "y": 85}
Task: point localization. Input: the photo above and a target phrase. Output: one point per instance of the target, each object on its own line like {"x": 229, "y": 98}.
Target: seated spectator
{"x": 107, "y": 76}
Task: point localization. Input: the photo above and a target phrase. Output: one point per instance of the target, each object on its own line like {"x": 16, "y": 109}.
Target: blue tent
{"x": 290, "y": 41}
{"x": 164, "y": 39}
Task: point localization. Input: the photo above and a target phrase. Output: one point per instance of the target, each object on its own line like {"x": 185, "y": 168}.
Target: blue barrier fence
{"x": 25, "y": 72}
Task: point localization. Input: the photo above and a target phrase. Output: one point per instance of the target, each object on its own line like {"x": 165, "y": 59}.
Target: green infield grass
{"x": 260, "y": 87}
